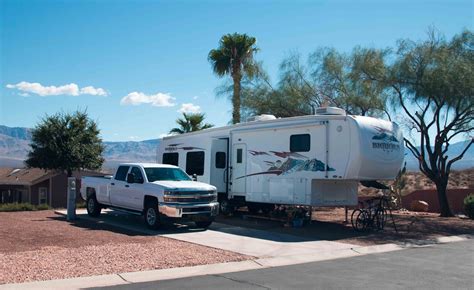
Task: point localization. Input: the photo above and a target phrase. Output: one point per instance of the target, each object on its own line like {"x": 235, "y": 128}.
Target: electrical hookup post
{"x": 71, "y": 198}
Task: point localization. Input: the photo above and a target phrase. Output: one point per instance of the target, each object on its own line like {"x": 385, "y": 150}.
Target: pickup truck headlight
{"x": 215, "y": 196}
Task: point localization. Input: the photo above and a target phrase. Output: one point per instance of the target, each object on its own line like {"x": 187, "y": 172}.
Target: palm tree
{"x": 191, "y": 123}
{"x": 234, "y": 56}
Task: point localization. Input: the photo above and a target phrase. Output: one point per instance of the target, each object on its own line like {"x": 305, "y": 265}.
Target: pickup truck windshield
{"x": 175, "y": 174}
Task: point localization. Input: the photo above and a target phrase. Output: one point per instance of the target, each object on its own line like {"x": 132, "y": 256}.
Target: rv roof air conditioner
{"x": 263, "y": 117}
{"x": 330, "y": 111}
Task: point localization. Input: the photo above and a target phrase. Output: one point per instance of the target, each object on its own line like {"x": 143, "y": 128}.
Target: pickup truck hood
{"x": 187, "y": 185}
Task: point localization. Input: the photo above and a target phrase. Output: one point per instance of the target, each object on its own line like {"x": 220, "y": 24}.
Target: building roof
{"x": 24, "y": 176}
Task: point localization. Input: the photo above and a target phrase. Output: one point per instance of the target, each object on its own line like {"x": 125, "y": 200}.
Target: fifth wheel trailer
{"x": 314, "y": 160}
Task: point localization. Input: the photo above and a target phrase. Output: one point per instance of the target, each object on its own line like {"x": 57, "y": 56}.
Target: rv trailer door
{"x": 239, "y": 169}
{"x": 219, "y": 163}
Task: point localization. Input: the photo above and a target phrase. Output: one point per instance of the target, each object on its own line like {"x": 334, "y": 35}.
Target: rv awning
{"x": 374, "y": 184}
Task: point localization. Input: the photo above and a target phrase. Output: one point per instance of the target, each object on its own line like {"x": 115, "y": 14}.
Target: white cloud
{"x": 195, "y": 97}
{"x": 157, "y": 100}
{"x": 71, "y": 89}
{"x": 189, "y": 108}
{"x": 90, "y": 90}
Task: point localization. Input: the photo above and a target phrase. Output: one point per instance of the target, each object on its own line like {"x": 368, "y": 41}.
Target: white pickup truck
{"x": 156, "y": 191}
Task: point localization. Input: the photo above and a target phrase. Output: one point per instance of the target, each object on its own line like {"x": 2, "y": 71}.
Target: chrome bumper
{"x": 177, "y": 210}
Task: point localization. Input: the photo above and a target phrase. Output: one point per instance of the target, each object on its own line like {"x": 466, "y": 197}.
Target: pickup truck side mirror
{"x": 130, "y": 178}
{"x": 195, "y": 178}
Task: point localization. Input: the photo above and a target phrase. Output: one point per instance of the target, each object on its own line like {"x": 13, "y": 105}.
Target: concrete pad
{"x": 256, "y": 247}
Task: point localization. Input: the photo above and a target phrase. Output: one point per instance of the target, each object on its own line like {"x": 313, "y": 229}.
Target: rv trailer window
{"x": 220, "y": 159}
{"x": 195, "y": 163}
{"x": 171, "y": 158}
{"x": 300, "y": 143}
{"x": 121, "y": 173}
{"x": 239, "y": 155}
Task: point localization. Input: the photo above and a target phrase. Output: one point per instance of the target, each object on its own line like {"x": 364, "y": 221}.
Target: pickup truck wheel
{"x": 152, "y": 215}
{"x": 93, "y": 207}
{"x": 203, "y": 224}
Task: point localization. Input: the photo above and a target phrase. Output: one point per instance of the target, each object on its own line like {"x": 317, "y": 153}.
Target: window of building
{"x": 300, "y": 143}
{"x": 122, "y": 173}
{"x": 195, "y": 163}
{"x": 220, "y": 160}
{"x": 42, "y": 195}
{"x": 137, "y": 174}
{"x": 171, "y": 158}
{"x": 239, "y": 155}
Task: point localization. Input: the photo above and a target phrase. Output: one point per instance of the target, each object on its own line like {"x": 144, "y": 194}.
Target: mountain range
{"x": 14, "y": 146}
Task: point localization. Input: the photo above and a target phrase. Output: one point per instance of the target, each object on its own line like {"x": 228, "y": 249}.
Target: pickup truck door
{"x": 134, "y": 191}
{"x": 118, "y": 194}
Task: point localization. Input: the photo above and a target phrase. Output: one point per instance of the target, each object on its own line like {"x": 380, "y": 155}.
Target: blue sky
{"x": 93, "y": 54}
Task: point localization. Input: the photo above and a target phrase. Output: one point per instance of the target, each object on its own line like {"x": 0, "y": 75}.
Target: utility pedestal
{"x": 71, "y": 198}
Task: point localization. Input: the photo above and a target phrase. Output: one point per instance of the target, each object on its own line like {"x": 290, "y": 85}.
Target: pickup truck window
{"x": 122, "y": 173}
{"x": 138, "y": 174}
{"x": 157, "y": 174}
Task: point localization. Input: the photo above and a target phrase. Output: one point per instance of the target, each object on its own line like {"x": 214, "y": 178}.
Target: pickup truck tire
{"x": 152, "y": 215}
{"x": 93, "y": 207}
{"x": 203, "y": 224}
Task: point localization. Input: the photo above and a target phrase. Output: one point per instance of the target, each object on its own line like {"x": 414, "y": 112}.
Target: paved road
{"x": 442, "y": 266}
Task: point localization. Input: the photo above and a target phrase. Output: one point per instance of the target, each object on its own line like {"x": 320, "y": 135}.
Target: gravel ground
{"x": 43, "y": 246}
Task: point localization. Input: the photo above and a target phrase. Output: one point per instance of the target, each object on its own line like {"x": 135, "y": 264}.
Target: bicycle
{"x": 373, "y": 216}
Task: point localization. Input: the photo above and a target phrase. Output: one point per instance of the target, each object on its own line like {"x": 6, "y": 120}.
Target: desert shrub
{"x": 22, "y": 207}
{"x": 469, "y": 205}
{"x": 42, "y": 207}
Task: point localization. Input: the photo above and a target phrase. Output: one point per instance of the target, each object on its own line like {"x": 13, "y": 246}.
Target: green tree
{"x": 432, "y": 84}
{"x": 234, "y": 57}
{"x": 191, "y": 123}
{"x": 326, "y": 78}
{"x": 66, "y": 142}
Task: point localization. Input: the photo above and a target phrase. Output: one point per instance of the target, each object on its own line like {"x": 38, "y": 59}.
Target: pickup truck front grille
{"x": 197, "y": 209}
{"x": 191, "y": 196}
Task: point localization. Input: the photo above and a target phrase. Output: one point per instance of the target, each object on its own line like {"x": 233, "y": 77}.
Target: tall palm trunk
{"x": 237, "y": 77}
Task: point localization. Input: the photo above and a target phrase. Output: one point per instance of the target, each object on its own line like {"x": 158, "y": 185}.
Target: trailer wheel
{"x": 93, "y": 206}
{"x": 254, "y": 208}
{"x": 225, "y": 207}
{"x": 152, "y": 215}
{"x": 267, "y": 208}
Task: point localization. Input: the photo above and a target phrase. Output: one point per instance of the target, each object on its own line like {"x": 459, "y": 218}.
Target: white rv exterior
{"x": 315, "y": 160}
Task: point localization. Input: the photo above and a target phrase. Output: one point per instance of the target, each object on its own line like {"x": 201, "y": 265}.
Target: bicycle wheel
{"x": 361, "y": 221}
{"x": 354, "y": 217}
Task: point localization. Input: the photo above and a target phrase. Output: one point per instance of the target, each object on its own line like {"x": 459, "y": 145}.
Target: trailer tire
{"x": 152, "y": 215}
{"x": 93, "y": 206}
{"x": 254, "y": 208}
{"x": 225, "y": 207}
